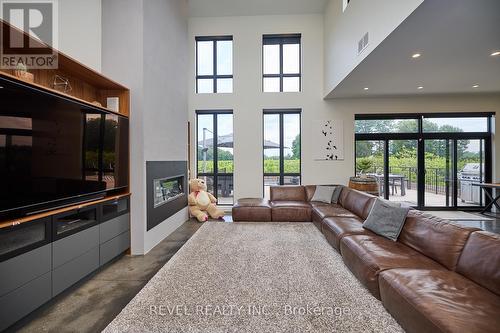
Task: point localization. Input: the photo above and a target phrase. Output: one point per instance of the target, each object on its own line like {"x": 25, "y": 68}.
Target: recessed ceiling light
{"x": 420, "y": 87}
{"x": 1, "y": 87}
{"x": 496, "y": 53}
{"x": 416, "y": 55}
{"x": 475, "y": 86}
{"x": 365, "y": 88}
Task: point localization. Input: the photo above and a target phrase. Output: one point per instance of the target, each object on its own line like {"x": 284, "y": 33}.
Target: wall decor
{"x": 328, "y": 140}
{"x": 62, "y": 84}
{"x": 113, "y": 103}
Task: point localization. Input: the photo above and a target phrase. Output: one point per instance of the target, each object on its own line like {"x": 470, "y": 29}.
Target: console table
{"x": 494, "y": 201}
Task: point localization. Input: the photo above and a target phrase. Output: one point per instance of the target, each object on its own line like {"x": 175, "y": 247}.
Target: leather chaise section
{"x": 367, "y": 256}
{"x": 438, "y": 301}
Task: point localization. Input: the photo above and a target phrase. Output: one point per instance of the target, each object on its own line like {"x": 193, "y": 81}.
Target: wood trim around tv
{"x": 21, "y": 220}
{"x": 88, "y": 86}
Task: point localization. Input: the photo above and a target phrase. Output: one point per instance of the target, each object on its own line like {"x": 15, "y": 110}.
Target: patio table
{"x": 392, "y": 179}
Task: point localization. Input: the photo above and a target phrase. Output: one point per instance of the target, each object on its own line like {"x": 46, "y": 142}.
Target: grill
{"x": 470, "y": 174}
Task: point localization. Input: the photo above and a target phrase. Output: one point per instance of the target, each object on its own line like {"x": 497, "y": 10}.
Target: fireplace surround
{"x": 166, "y": 190}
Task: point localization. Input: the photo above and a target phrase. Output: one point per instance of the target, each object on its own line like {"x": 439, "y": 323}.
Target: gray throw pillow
{"x": 323, "y": 194}
{"x": 386, "y": 219}
{"x": 336, "y": 194}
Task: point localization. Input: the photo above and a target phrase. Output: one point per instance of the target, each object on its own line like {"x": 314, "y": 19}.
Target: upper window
{"x": 455, "y": 124}
{"x": 214, "y": 65}
{"x": 386, "y": 126}
{"x": 281, "y": 63}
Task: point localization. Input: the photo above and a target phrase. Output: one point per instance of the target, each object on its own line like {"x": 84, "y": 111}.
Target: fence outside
{"x": 436, "y": 179}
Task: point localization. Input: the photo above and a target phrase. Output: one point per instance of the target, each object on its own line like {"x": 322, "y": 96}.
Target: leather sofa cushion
{"x": 252, "y": 210}
{"x": 318, "y": 204}
{"x": 435, "y": 238}
{"x": 367, "y": 256}
{"x": 359, "y": 203}
{"x": 290, "y": 211}
{"x": 310, "y": 189}
{"x": 343, "y": 195}
{"x": 288, "y": 193}
{"x": 438, "y": 301}
{"x": 335, "y": 228}
{"x": 253, "y": 202}
{"x": 480, "y": 260}
{"x": 331, "y": 210}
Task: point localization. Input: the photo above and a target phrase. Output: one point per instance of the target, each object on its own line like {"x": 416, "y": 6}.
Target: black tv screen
{"x": 54, "y": 149}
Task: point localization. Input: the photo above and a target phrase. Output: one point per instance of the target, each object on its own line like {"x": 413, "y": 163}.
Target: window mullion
{"x": 215, "y": 65}
{"x": 281, "y": 66}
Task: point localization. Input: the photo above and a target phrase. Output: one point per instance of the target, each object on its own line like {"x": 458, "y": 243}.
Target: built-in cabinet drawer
{"x": 71, "y": 272}
{"x": 114, "y": 227}
{"x": 113, "y": 208}
{"x": 71, "y": 247}
{"x": 22, "y": 269}
{"x": 23, "y": 300}
{"x": 21, "y": 238}
{"x": 114, "y": 247}
{"x": 42, "y": 258}
{"x": 74, "y": 221}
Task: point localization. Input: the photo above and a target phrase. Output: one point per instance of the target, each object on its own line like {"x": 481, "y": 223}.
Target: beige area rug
{"x": 255, "y": 277}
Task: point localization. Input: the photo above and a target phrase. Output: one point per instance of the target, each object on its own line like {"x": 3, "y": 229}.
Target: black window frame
{"x": 281, "y": 40}
{"x": 281, "y": 174}
{"x": 214, "y": 76}
{"x": 421, "y": 136}
{"x": 215, "y": 173}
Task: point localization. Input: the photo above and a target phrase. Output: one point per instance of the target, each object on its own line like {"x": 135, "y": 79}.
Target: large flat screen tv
{"x": 55, "y": 150}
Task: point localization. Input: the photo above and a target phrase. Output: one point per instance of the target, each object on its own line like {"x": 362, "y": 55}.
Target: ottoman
{"x": 252, "y": 210}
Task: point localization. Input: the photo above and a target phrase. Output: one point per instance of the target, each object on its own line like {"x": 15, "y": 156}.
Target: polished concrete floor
{"x": 93, "y": 303}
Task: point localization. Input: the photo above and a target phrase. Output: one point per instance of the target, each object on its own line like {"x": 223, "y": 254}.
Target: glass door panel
{"x": 272, "y": 144}
{"x": 291, "y": 149}
{"x": 470, "y": 170}
{"x": 205, "y": 158}
{"x": 215, "y": 157}
{"x": 439, "y": 178}
{"x": 225, "y": 159}
{"x": 403, "y": 171}
{"x": 370, "y": 161}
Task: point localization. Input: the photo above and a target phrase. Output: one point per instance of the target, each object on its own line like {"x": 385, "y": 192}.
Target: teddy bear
{"x": 201, "y": 202}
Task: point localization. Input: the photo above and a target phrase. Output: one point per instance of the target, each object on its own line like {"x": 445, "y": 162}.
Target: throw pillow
{"x": 336, "y": 194}
{"x": 386, "y": 219}
{"x": 323, "y": 194}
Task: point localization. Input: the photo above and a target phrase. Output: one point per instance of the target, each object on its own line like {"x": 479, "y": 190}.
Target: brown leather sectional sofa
{"x": 438, "y": 276}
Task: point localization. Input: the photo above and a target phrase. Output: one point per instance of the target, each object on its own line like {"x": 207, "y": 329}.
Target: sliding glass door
{"x": 439, "y": 182}
{"x": 215, "y": 153}
{"x": 281, "y": 147}
{"x": 428, "y": 160}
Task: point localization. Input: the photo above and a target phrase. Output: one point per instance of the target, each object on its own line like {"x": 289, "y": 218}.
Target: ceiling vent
{"x": 363, "y": 43}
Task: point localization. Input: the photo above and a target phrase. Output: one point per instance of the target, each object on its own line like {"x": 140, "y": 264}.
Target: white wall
{"x": 145, "y": 48}
{"x": 343, "y": 30}
{"x": 165, "y": 94}
{"x": 80, "y": 31}
{"x": 248, "y": 100}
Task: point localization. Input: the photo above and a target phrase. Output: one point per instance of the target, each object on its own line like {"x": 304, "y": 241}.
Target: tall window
{"x": 214, "y": 64}
{"x": 215, "y": 153}
{"x": 281, "y": 63}
{"x": 281, "y": 148}
{"x": 427, "y": 160}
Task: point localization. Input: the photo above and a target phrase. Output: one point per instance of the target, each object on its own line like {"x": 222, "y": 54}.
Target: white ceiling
{"x": 207, "y": 8}
{"x": 455, "y": 37}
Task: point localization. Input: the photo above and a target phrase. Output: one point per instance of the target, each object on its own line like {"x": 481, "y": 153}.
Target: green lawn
{"x": 270, "y": 166}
